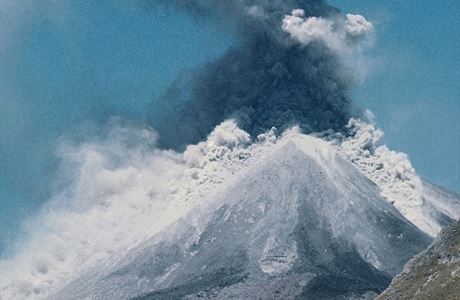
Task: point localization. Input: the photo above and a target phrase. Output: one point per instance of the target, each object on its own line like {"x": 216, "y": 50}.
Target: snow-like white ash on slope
{"x": 121, "y": 192}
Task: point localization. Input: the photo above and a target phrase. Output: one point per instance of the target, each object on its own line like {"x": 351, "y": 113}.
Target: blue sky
{"x": 70, "y": 65}
{"x": 414, "y": 90}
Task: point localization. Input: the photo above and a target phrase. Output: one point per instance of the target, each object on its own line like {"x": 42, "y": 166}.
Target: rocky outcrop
{"x": 433, "y": 274}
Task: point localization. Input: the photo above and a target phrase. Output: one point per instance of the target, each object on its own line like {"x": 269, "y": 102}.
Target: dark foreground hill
{"x": 433, "y": 274}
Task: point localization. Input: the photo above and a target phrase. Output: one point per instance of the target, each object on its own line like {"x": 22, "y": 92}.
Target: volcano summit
{"x": 255, "y": 178}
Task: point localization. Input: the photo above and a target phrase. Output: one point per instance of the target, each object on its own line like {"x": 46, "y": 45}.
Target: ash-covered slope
{"x": 302, "y": 223}
{"x": 276, "y": 216}
{"x": 433, "y": 274}
{"x": 440, "y": 204}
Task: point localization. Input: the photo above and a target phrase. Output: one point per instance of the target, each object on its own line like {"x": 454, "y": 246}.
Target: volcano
{"x": 298, "y": 221}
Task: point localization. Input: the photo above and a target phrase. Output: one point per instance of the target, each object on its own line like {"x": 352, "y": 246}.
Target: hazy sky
{"x": 67, "y": 66}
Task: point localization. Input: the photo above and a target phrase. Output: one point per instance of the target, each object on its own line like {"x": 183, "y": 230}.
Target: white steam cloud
{"x": 122, "y": 190}
{"x": 338, "y": 34}
{"x": 119, "y": 191}
{"x": 348, "y": 36}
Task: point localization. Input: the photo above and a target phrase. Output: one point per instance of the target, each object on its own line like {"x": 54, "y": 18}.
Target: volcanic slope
{"x": 301, "y": 222}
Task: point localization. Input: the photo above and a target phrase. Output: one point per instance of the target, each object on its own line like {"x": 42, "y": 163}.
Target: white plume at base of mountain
{"x": 294, "y": 220}
{"x": 123, "y": 195}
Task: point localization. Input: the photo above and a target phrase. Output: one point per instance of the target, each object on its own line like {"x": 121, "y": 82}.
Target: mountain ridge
{"x": 278, "y": 248}
{"x": 313, "y": 177}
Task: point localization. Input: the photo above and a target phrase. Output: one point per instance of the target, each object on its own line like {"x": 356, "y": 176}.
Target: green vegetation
{"x": 433, "y": 274}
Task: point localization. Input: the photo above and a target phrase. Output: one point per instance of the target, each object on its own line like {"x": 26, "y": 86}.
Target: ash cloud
{"x": 266, "y": 79}
{"x": 339, "y": 35}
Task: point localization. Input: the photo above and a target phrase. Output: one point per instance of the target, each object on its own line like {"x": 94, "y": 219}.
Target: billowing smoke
{"x": 121, "y": 189}
{"x": 286, "y": 68}
{"x": 341, "y": 37}
{"x": 118, "y": 190}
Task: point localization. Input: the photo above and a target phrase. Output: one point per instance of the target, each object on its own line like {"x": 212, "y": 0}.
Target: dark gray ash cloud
{"x": 264, "y": 80}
